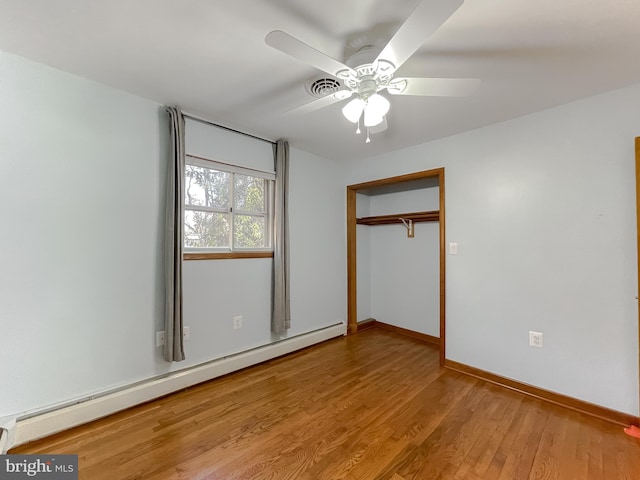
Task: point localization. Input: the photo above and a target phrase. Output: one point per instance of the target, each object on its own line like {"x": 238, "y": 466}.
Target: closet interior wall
{"x": 398, "y": 276}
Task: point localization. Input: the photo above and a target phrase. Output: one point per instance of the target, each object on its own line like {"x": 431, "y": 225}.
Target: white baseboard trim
{"x": 51, "y": 422}
{"x": 7, "y": 433}
{"x": 4, "y": 441}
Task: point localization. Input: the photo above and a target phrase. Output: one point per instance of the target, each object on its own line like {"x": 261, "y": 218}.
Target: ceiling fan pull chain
{"x": 368, "y": 139}
{"x": 358, "y": 129}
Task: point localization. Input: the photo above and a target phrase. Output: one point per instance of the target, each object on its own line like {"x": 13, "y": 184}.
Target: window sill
{"x": 225, "y": 255}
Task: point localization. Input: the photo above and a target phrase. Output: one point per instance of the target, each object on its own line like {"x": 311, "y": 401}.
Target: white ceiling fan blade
{"x": 435, "y": 87}
{"x": 301, "y": 51}
{"x": 319, "y": 103}
{"x": 427, "y": 17}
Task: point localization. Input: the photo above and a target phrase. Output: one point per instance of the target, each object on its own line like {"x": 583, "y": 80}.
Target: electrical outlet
{"x": 535, "y": 339}
{"x": 160, "y": 337}
{"x": 186, "y": 333}
{"x": 237, "y": 322}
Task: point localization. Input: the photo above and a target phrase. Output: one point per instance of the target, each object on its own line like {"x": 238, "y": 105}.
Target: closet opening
{"x": 407, "y": 208}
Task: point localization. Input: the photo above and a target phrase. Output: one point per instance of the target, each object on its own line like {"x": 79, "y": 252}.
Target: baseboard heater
{"x": 40, "y": 425}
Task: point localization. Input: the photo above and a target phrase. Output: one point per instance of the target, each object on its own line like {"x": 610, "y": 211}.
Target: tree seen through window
{"x": 225, "y": 210}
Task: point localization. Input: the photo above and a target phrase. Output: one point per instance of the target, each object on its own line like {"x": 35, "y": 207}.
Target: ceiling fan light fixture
{"x": 378, "y": 105}
{"x": 370, "y": 119}
{"x": 353, "y": 110}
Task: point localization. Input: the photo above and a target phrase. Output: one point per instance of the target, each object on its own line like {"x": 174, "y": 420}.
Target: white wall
{"x": 214, "y": 292}
{"x": 416, "y": 200}
{"x": 405, "y": 272}
{"x": 317, "y": 217}
{"x": 543, "y": 210}
{"x": 81, "y": 175}
{"x": 82, "y": 169}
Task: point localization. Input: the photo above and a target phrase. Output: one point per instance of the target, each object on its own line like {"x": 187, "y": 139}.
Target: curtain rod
{"x": 209, "y": 122}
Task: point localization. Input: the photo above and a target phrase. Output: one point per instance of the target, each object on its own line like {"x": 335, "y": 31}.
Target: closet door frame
{"x": 352, "y": 267}
{"x": 637, "y": 142}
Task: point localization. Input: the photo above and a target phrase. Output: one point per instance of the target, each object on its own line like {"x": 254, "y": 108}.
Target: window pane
{"x": 249, "y": 193}
{"x": 206, "y": 229}
{"x": 249, "y": 231}
{"x": 206, "y": 187}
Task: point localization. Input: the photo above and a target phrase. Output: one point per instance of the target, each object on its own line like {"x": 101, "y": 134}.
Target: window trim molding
{"x": 226, "y": 255}
{"x": 228, "y": 167}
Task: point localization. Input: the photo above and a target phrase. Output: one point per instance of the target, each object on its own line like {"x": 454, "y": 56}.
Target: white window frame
{"x": 270, "y": 178}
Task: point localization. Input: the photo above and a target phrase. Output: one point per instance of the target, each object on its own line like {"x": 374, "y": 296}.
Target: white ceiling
{"x": 209, "y": 57}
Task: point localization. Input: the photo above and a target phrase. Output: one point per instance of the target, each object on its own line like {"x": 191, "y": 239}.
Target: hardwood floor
{"x": 375, "y": 405}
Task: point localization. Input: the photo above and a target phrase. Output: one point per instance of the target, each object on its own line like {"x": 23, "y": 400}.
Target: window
{"x": 227, "y": 208}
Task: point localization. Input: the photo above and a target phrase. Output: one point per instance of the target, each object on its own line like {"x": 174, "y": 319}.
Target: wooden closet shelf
{"x": 415, "y": 217}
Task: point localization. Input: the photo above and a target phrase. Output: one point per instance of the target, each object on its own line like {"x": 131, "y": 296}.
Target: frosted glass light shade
{"x": 378, "y": 105}
{"x": 370, "y": 119}
{"x": 353, "y": 110}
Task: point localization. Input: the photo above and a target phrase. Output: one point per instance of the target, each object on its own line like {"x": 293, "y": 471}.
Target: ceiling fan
{"x": 371, "y": 70}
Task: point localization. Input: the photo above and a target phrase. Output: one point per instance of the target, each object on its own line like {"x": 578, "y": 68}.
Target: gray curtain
{"x": 281, "y": 315}
{"x": 174, "y": 227}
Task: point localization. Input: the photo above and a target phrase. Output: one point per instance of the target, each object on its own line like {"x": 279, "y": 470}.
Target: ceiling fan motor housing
{"x": 369, "y": 78}
{"x": 367, "y": 74}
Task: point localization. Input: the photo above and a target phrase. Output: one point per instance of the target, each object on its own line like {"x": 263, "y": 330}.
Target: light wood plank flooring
{"x": 370, "y": 406}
